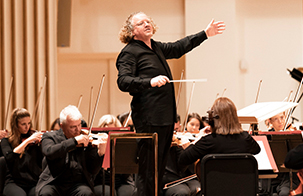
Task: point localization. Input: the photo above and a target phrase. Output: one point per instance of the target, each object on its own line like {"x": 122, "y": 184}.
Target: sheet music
{"x": 265, "y": 158}
{"x": 263, "y": 161}
{"x": 258, "y": 112}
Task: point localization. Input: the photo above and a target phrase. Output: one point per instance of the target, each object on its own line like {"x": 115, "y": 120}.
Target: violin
{"x": 94, "y": 139}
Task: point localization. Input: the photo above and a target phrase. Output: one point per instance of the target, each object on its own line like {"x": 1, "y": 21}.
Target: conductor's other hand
{"x": 82, "y": 139}
{"x": 214, "y": 28}
{"x": 159, "y": 81}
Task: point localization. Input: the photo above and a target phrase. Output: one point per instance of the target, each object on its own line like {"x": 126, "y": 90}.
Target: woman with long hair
{"x": 225, "y": 135}
{"x": 22, "y": 154}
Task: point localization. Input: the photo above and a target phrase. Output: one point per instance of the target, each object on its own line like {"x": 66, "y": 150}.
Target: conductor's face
{"x": 143, "y": 29}
{"x": 71, "y": 128}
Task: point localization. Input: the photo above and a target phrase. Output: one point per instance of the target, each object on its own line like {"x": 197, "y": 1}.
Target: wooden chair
{"x": 123, "y": 155}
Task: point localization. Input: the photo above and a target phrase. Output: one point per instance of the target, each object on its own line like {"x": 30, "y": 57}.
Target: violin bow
{"x": 179, "y": 91}
{"x": 292, "y": 109}
{"x": 36, "y": 107}
{"x": 188, "y": 106}
{"x": 255, "y": 126}
{"x": 128, "y": 117}
{"x": 96, "y": 104}
{"x": 179, "y": 181}
{"x": 258, "y": 92}
{"x": 8, "y": 103}
{"x": 223, "y": 92}
{"x": 90, "y": 103}
{"x": 43, "y": 92}
{"x": 79, "y": 101}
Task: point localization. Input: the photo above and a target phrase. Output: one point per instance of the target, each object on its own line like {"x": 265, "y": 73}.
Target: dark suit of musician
{"x": 66, "y": 163}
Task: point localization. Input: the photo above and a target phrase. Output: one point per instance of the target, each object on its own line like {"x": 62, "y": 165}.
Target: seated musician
{"x": 226, "y": 135}
{"x": 173, "y": 171}
{"x": 281, "y": 184}
{"x": 22, "y": 155}
{"x": 71, "y": 162}
{"x": 124, "y": 183}
{"x": 294, "y": 160}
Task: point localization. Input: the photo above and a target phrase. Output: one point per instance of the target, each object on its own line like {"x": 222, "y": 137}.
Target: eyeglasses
{"x": 143, "y": 22}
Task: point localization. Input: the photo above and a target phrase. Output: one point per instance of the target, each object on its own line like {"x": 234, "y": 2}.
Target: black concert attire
{"x": 281, "y": 184}
{"x": 124, "y": 184}
{"x": 69, "y": 170}
{"x": 294, "y": 158}
{"x": 217, "y": 143}
{"x": 153, "y": 109}
{"x": 173, "y": 172}
{"x": 23, "y": 169}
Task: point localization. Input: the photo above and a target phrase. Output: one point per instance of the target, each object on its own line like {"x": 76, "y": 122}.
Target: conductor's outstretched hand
{"x": 214, "y": 28}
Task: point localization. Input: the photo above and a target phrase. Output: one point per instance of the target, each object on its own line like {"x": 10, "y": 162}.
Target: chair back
{"x": 229, "y": 175}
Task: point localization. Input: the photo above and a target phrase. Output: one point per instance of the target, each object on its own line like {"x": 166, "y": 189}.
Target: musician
{"x": 281, "y": 184}
{"x": 55, "y": 126}
{"x": 22, "y": 155}
{"x": 145, "y": 74}
{"x": 277, "y": 122}
{"x": 70, "y": 162}
{"x": 194, "y": 123}
{"x": 177, "y": 127}
{"x": 124, "y": 183}
{"x": 174, "y": 171}
{"x": 226, "y": 135}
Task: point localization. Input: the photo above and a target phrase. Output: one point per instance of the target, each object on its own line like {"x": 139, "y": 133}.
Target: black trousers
{"x": 145, "y": 179}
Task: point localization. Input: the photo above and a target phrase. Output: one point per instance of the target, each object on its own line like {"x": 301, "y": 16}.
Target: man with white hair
{"x": 71, "y": 162}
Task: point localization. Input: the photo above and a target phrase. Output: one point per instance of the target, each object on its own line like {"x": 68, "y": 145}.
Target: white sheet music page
{"x": 258, "y": 112}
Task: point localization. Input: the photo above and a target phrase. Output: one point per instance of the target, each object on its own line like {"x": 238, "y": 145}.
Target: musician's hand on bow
{"x": 159, "y": 81}
{"x": 35, "y": 137}
{"x": 101, "y": 143}
{"x": 82, "y": 139}
{"x": 3, "y": 134}
{"x": 203, "y": 132}
{"x": 184, "y": 142}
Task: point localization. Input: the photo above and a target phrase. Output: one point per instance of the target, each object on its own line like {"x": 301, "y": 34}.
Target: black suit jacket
{"x": 56, "y": 148}
{"x": 138, "y": 64}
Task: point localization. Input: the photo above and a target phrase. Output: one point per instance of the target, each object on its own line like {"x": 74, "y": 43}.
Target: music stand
{"x": 280, "y": 145}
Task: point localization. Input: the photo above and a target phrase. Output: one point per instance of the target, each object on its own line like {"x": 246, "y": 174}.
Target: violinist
{"x": 277, "y": 123}
{"x": 174, "y": 171}
{"x": 226, "y": 135}
{"x": 281, "y": 184}
{"x": 55, "y": 126}
{"x": 22, "y": 155}
{"x": 124, "y": 183}
{"x": 69, "y": 169}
